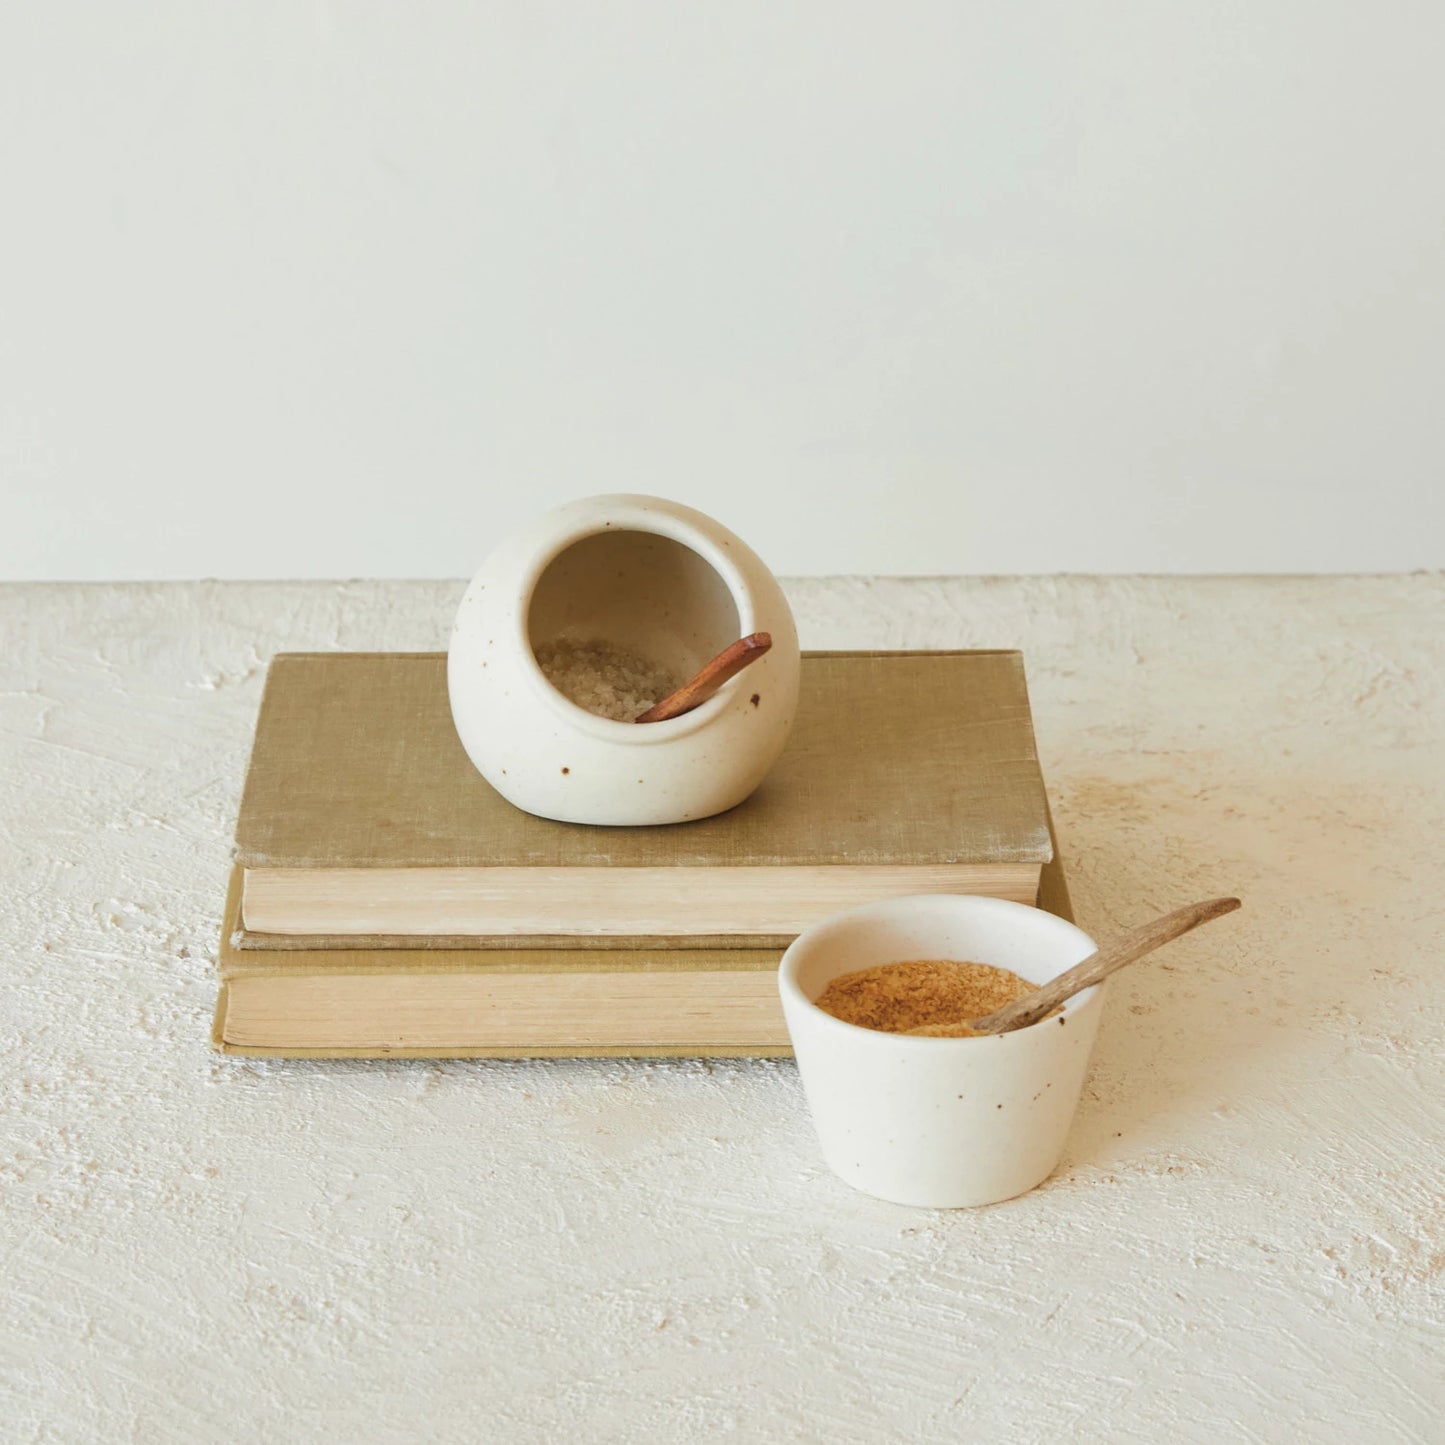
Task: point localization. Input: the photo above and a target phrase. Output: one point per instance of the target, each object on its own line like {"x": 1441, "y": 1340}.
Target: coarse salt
{"x": 605, "y": 679}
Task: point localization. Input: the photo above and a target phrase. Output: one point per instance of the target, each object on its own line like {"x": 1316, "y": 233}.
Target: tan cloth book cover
{"x": 921, "y": 763}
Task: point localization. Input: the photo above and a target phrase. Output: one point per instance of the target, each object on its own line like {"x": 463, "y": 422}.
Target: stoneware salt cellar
{"x": 656, "y": 579}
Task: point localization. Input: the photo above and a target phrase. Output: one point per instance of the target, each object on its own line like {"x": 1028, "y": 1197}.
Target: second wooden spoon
{"x": 1114, "y": 955}
{"x": 701, "y": 686}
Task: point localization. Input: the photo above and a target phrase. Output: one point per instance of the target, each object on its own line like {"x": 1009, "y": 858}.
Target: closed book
{"x": 364, "y": 825}
{"x": 507, "y": 1003}
{"x": 497, "y": 1003}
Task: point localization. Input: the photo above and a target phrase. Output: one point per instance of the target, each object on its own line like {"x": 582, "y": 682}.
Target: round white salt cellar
{"x": 618, "y": 597}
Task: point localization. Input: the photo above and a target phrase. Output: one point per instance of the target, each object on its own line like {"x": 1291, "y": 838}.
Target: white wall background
{"x": 346, "y": 288}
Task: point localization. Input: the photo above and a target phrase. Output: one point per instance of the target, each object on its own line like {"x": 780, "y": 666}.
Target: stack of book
{"x": 387, "y": 902}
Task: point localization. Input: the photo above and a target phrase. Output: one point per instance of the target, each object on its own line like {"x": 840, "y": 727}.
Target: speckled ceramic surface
{"x": 940, "y": 1122}
{"x": 654, "y": 577}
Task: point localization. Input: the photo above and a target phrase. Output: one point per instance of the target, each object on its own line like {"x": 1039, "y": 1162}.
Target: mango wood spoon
{"x": 711, "y": 676}
{"x": 1114, "y": 955}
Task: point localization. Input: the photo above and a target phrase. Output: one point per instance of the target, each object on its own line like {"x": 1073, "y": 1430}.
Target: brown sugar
{"x": 936, "y": 994}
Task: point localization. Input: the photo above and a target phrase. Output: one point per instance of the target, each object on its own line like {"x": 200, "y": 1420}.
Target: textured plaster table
{"x": 1244, "y": 1241}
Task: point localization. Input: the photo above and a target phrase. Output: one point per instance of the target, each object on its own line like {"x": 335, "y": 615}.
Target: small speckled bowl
{"x": 655, "y": 578}
{"x": 938, "y": 1122}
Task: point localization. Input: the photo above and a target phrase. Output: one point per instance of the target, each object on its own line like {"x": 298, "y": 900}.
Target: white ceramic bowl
{"x": 938, "y": 1122}
{"x": 654, "y": 577}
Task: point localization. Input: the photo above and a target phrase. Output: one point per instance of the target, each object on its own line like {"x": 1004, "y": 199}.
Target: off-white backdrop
{"x": 344, "y": 288}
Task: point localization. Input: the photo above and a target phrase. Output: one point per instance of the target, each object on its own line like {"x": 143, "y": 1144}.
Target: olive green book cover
{"x": 903, "y": 760}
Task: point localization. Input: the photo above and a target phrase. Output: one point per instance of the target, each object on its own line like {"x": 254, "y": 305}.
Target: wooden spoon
{"x": 711, "y": 676}
{"x": 1114, "y": 955}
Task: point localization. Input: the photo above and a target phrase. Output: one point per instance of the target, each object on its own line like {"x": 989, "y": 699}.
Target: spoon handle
{"x": 1114, "y": 955}
{"x": 698, "y": 688}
